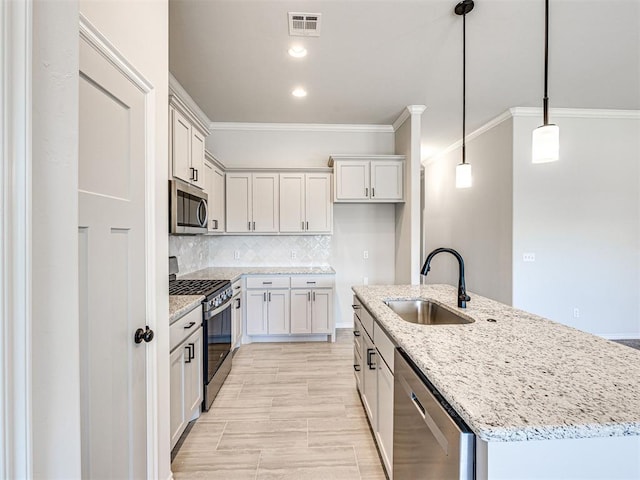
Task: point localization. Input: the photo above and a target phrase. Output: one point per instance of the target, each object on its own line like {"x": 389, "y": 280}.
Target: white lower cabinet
{"x": 267, "y": 312}
{"x": 186, "y": 381}
{"x": 312, "y": 311}
{"x": 236, "y": 315}
{"x": 373, "y": 353}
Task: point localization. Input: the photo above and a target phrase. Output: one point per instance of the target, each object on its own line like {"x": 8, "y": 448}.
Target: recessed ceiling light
{"x": 299, "y": 92}
{"x": 298, "y": 51}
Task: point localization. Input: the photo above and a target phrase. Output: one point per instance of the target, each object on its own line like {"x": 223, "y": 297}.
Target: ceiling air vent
{"x": 304, "y": 24}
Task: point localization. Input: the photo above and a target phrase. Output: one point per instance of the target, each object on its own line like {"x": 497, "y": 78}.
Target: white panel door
{"x": 193, "y": 390}
{"x": 292, "y": 202}
{"x": 112, "y": 275}
{"x": 369, "y": 379}
{"x": 216, "y": 201}
{"x": 318, "y": 203}
{"x": 265, "y": 202}
{"x": 278, "y": 311}
{"x": 322, "y": 311}
{"x": 197, "y": 158}
{"x": 181, "y": 146}
{"x": 256, "y": 312}
{"x": 384, "y": 432}
{"x": 177, "y": 409}
{"x": 387, "y": 180}
{"x": 301, "y": 311}
{"x": 352, "y": 180}
{"x": 238, "y": 203}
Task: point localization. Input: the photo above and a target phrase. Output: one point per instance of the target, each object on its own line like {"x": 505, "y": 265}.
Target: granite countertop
{"x": 521, "y": 378}
{"x": 233, "y": 273}
{"x": 180, "y": 305}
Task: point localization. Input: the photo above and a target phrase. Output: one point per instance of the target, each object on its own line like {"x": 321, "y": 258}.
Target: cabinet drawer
{"x": 384, "y": 345}
{"x": 367, "y": 321}
{"x": 236, "y": 287}
{"x": 275, "y": 281}
{"x": 315, "y": 281}
{"x": 184, "y": 326}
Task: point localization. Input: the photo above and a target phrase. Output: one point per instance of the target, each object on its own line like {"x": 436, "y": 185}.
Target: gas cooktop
{"x": 197, "y": 287}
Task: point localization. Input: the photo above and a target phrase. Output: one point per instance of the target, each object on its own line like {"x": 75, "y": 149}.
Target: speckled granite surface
{"x": 233, "y": 273}
{"x": 180, "y": 305}
{"x": 521, "y": 378}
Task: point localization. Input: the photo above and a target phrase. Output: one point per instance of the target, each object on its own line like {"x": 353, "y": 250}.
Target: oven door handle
{"x": 220, "y": 309}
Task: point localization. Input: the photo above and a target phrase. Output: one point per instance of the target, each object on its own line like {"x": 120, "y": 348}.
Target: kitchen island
{"x": 544, "y": 400}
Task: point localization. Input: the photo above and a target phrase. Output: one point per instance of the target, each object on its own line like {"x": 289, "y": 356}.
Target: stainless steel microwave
{"x": 188, "y": 212}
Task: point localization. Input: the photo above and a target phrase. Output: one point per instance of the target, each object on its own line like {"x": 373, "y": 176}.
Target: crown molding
{"x": 300, "y": 127}
{"x": 406, "y": 113}
{"x": 179, "y": 96}
{"x": 211, "y": 158}
{"x": 575, "y": 112}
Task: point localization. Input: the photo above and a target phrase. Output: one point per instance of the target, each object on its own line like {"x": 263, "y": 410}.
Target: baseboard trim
{"x": 344, "y": 325}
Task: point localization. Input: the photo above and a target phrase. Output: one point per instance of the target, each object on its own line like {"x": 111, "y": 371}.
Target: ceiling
{"x": 375, "y": 57}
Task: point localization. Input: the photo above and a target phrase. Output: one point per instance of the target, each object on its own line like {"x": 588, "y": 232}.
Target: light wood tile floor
{"x": 286, "y": 411}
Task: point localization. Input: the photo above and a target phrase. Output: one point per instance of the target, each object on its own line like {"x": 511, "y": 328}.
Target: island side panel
{"x": 583, "y": 458}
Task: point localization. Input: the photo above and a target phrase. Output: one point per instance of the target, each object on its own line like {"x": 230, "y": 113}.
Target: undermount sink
{"x": 425, "y": 312}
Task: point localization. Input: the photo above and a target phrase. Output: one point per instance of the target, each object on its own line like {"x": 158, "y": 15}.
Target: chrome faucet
{"x": 463, "y": 298}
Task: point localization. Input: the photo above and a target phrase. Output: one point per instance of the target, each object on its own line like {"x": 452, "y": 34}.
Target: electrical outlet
{"x": 365, "y": 280}
{"x": 576, "y": 312}
{"x": 365, "y": 254}
{"x": 236, "y": 254}
{"x": 293, "y": 254}
{"x": 529, "y": 257}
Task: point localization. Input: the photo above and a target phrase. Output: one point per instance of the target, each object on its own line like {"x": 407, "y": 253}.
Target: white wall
{"x": 55, "y": 357}
{"x": 260, "y": 148}
{"x": 581, "y": 218}
{"x": 139, "y": 30}
{"x": 477, "y": 221}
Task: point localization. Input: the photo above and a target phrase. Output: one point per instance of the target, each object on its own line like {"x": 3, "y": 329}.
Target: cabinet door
{"x": 265, "y": 202}
{"x": 193, "y": 386}
{"x": 181, "y": 146}
{"x": 292, "y": 202}
{"x": 301, "y": 311}
{"x": 318, "y": 205}
{"x": 369, "y": 379}
{"x": 256, "y": 309}
{"x": 236, "y": 322}
{"x": 387, "y": 179}
{"x": 217, "y": 201}
{"x": 238, "y": 204}
{"x": 322, "y": 311}
{"x": 278, "y": 311}
{"x": 177, "y": 419}
{"x": 384, "y": 432}
{"x": 352, "y": 180}
{"x": 197, "y": 158}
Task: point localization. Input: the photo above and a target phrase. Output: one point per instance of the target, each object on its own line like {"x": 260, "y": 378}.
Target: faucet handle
{"x": 464, "y": 297}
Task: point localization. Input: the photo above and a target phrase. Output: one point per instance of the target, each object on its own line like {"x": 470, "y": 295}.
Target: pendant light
{"x": 463, "y": 170}
{"x": 546, "y": 138}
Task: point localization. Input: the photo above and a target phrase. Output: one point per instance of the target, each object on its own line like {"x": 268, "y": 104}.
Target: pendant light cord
{"x": 464, "y": 85}
{"x": 545, "y": 100}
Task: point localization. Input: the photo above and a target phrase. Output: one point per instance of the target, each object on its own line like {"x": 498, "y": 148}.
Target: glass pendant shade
{"x": 463, "y": 175}
{"x": 545, "y": 144}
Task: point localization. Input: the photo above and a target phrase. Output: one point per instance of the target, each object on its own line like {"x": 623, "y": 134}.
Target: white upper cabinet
{"x": 305, "y": 203}
{"x": 214, "y": 186}
{"x": 187, "y": 141}
{"x": 252, "y": 202}
{"x": 365, "y": 179}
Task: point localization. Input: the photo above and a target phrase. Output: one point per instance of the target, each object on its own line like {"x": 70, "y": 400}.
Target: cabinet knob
{"x": 145, "y": 335}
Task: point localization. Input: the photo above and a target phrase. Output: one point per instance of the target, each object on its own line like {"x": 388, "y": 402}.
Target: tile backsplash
{"x": 201, "y": 251}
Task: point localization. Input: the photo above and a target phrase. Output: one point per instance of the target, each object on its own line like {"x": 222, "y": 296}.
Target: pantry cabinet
{"x": 187, "y": 143}
{"x": 214, "y": 186}
{"x": 368, "y": 179}
{"x": 305, "y": 203}
{"x": 252, "y": 202}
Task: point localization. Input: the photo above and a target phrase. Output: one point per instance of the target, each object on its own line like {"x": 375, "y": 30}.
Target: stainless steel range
{"x": 216, "y": 323}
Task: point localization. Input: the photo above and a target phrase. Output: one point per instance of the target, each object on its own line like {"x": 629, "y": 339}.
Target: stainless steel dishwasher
{"x": 430, "y": 440}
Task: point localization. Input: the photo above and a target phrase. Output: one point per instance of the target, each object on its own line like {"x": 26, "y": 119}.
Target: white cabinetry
{"x": 311, "y": 311}
{"x": 214, "y": 186}
{"x": 236, "y": 315}
{"x": 374, "y": 355}
{"x": 359, "y": 179}
{"x": 187, "y": 139}
{"x": 185, "y": 362}
{"x": 305, "y": 203}
{"x": 252, "y": 202}
{"x": 267, "y": 312}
